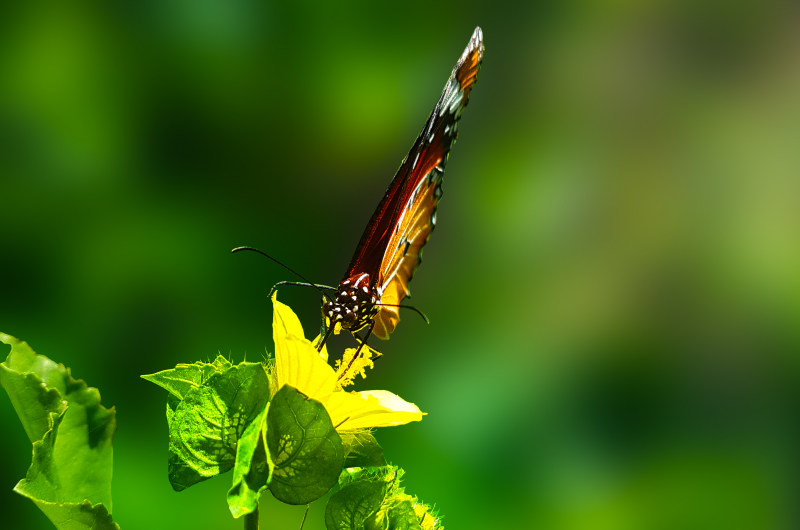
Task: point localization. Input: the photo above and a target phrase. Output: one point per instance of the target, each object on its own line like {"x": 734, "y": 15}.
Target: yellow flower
{"x": 299, "y": 364}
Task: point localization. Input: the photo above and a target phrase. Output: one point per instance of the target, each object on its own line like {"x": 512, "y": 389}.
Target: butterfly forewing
{"x": 390, "y": 249}
{"x": 391, "y": 246}
{"x": 405, "y": 250}
{"x": 429, "y": 150}
{"x": 423, "y": 170}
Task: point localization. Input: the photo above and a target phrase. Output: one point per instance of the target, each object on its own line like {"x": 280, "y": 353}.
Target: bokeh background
{"x": 613, "y": 286}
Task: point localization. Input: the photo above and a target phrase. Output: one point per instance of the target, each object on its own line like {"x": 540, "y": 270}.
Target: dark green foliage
{"x": 220, "y": 417}
{"x": 372, "y": 499}
{"x": 355, "y": 504}
{"x": 210, "y": 407}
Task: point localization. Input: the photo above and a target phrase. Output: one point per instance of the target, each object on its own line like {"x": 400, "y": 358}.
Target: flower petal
{"x": 374, "y": 408}
{"x": 297, "y": 362}
{"x": 284, "y": 321}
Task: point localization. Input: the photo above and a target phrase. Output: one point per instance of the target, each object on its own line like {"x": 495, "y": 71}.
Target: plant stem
{"x": 304, "y": 516}
{"x": 251, "y": 520}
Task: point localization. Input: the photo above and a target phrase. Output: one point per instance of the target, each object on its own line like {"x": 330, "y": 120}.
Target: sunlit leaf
{"x": 355, "y": 505}
{"x": 401, "y": 516}
{"x": 205, "y": 426}
{"x": 372, "y": 499}
{"x": 362, "y": 450}
{"x": 70, "y": 475}
{"x": 35, "y": 385}
{"x": 78, "y": 516}
{"x": 304, "y": 446}
{"x": 252, "y": 470}
{"x": 184, "y": 377}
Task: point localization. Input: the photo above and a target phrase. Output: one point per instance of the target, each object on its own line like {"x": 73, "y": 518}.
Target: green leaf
{"x": 401, "y": 516}
{"x": 252, "y": 471}
{"x": 304, "y": 446}
{"x": 80, "y": 516}
{"x": 184, "y": 377}
{"x": 372, "y": 499}
{"x": 205, "y": 426}
{"x": 70, "y": 476}
{"x": 362, "y": 450}
{"x": 355, "y": 505}
{"x": 35, "y": 385}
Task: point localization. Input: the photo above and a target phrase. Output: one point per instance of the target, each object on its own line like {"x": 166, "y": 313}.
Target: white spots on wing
{"x": 401, "y": 220}
{"x": 455, "y": 104}
{"x": 416, "y": 159}
{"x": 458, "y": 112}
{"x": 451, "y": 99}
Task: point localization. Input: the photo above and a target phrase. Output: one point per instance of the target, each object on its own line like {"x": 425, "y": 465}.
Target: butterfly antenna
{"x": 411, "y": 307}
{"x": 307, "y": 282}
{"x": 301, "y": 284}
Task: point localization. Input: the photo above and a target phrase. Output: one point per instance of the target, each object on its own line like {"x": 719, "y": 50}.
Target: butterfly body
{"x": 354, "y": 305}
{"x": 390, "y": 249}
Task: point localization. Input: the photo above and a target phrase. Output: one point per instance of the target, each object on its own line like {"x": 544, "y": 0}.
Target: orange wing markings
{"x": 467, "y": 74}
{"x": 404, "y": 253}
{"x": 431, "y": 148}
{"x": 390, "y": 249}
{"x": 427, "y": 159}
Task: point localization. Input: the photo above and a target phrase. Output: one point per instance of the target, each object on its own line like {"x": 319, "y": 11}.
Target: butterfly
{"x": 390, "y": 250}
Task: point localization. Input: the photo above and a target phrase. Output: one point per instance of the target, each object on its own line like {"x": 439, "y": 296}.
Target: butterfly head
{"x": 354, "y": 306}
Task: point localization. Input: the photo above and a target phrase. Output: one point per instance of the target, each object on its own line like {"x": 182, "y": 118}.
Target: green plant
{"x": 286, "y": 425}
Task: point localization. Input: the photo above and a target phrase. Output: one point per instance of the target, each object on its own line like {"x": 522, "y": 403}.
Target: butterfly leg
{"x": 324, "y": 338}
{"x": 363, "y": 342}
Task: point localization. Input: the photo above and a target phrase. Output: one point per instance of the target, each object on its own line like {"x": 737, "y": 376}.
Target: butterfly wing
{"x": 391, "y": 248}
{"x": 404, "y": 253}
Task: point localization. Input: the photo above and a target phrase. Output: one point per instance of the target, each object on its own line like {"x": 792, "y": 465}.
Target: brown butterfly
{"x": 390, "y": 250}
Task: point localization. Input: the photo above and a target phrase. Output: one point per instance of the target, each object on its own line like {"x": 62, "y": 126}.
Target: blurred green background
{"x": 613, "y": 286}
